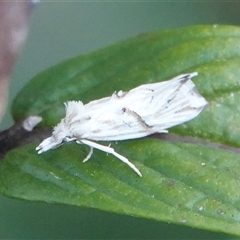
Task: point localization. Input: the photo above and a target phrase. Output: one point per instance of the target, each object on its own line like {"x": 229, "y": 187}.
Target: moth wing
{"x": 140, "y": 112}
{"x": 173, "y": 102}
{"x": 108, "y": 119}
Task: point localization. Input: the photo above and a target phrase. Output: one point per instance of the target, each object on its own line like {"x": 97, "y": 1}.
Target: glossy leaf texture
{"x": 185, "y": 183}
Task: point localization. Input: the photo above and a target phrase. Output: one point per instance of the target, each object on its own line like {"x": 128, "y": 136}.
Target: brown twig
{"x": 22, "y": 133}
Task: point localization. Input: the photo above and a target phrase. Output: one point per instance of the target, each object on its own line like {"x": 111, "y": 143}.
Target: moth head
{"x": 60, "y": 135}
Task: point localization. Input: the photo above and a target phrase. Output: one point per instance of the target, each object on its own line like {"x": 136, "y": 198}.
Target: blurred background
{"x": 61, "y": 30}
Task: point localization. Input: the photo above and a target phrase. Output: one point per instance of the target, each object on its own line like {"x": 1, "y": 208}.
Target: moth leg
{"x": 111, "y": 150}
{"x": 89, "y": 155}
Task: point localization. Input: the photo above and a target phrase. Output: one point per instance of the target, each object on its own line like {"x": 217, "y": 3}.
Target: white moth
{"x": 144, "y": 110}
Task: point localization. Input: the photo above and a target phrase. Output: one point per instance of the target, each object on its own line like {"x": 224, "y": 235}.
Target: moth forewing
{"x": 144, "y": 110}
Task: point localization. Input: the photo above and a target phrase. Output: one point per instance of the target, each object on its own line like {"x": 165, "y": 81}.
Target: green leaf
{"x": 182, "y": 183}
{"x": 194, "y": 184}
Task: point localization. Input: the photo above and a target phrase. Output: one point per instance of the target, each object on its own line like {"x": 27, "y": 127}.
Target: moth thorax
{"x": 61, "y": 131}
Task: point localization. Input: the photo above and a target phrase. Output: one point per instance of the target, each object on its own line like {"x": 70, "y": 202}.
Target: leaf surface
{"x": 194, "y": 184}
